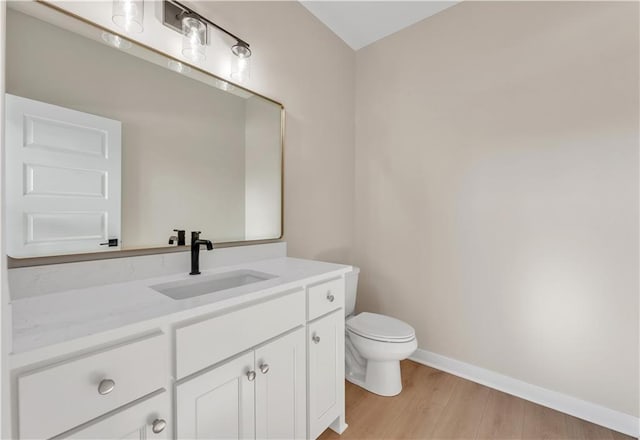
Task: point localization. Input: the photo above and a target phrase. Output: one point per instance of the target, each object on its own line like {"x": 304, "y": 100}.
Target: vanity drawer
{"x": 325, "y": 297}
{"x": 208, "y": 342}
{"x": 59, "y": 397}
{"x": 149, "y": 418}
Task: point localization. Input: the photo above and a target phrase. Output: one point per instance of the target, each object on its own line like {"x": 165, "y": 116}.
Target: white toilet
{"x": 375, "y": 345}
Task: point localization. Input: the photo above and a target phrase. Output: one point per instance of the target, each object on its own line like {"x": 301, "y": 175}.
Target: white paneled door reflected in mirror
{"x": 109, "y": 140}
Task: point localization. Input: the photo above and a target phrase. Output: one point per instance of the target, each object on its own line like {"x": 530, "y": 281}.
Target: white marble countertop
{"x": 48, "y": 320}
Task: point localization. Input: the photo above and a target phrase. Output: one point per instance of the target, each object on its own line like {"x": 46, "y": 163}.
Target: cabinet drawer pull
{"x": 264, "y": 368}
{"x": 106, "y": 386}
{"x": 330, "y": 297}
{"x": 158, "y": 426}
{"x": 316, "y": 339}
{"x": 251, "y": 375}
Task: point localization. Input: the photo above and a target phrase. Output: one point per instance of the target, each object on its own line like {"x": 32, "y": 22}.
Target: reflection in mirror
{"x": 109, "y": 140}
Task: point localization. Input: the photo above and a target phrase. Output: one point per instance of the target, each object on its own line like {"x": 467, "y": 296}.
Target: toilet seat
{"x": 380, "y": 328}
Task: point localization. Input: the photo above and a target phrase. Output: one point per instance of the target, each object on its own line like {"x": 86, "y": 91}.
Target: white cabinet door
{"x": 218, "y": 404}
{"x": 63, "y": 186}
{"x": 135, "y": 422}
{"x": 325, "y": 338}
{"x": 281, "y": 388}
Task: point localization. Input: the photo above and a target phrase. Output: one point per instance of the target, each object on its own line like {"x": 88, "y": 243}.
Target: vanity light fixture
{"x": 128, "y": 15}
{"x": 193, "y": 27}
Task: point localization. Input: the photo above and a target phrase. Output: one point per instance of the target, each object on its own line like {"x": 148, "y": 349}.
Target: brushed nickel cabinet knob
{"x": 315, "y": 339}
{"x": 264, "y": 368}
{"x": 330, "y": 297}
{"x": 106, "y": 386}
{"x": 251, "y": 375}
{"x": 158, "y": 426}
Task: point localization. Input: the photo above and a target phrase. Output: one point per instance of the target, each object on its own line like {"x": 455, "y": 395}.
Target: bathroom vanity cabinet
{"x": 256, "y": 395}
{"x": 267, "y": 384}
{"x": 326, "y": 371}
{"x": 325, "y": 335}
{"x": 269, "y": 367}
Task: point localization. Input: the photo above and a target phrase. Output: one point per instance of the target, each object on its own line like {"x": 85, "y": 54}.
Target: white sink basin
{"x": 202, "y": 285}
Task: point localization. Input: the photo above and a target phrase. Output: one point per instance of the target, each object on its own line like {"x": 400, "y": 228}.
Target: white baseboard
{"x": 591, "y": 412}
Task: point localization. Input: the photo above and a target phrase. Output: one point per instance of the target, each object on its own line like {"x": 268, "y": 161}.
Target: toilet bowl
{"x": 375, "y": 344}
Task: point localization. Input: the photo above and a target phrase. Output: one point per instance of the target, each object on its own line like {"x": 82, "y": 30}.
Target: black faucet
{"x": 196, "y": 242}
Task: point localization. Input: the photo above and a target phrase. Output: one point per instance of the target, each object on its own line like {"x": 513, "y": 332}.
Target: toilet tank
{"x": 351, "y": 279}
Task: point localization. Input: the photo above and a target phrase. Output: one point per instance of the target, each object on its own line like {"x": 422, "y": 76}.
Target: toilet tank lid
{"x": 375, "y": 326}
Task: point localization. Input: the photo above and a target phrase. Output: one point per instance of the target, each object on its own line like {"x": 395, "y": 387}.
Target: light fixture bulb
{"x": 194, "y": 33}
{"x": 129, "y": 15}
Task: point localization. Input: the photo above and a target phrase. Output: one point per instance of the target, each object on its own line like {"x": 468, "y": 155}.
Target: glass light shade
{"x": 129, "y": 15}
{"x": 193, "y": 39}
{"x": 240, "y": 68}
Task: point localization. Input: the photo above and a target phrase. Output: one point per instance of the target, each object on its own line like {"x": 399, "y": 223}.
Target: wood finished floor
{"x": 438, "y": 405}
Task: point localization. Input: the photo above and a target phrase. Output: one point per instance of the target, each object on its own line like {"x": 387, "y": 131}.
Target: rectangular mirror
{"x": 112, "y": 146}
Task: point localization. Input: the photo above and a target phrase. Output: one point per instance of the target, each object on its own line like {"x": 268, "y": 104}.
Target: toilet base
{"x": 382, "y": 378}
{"x": 375, "y": 365}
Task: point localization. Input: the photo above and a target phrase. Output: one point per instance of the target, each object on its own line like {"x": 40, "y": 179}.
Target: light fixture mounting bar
{"x": 172, "y": 11}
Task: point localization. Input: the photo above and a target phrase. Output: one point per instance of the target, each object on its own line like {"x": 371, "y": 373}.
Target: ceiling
{"x": 360, "y": 23}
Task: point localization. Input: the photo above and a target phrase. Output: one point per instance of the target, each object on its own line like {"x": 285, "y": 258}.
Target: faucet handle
{"x": 180, "y": 237}
{"x": 195, "y": 235}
